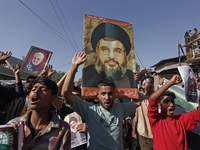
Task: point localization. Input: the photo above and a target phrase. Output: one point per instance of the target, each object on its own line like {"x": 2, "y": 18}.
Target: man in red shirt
{"x": 169, "y": 130}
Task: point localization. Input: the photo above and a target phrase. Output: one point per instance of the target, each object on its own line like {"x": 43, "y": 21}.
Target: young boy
{"x": 42, "y": 129}
{"x": 169, "y": 130}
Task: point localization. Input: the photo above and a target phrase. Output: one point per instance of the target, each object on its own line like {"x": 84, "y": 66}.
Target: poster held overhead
{"x": 36, "y": 60}
{"x": 190, "y": 84}
{"x": 110, "y": 55}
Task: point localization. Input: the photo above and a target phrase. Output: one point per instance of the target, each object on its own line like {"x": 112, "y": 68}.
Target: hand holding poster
{"x": 190, "y": 84}
{"x": 77, "y": 138}
{"x": 110, "y": 55}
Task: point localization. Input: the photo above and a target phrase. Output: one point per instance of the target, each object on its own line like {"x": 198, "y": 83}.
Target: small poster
{"x": 36, "y": 60}
{"x": 110, "y": 55}
{"x": 77, "y": 138}
{"x": 9, "y": 138}
{"x": 190, "y": 84}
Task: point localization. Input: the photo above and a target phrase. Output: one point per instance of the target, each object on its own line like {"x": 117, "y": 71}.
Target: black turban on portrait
{"x": 109, "y": 30}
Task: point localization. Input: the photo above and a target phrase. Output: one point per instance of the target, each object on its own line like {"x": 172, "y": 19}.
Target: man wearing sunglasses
{"x": 169, "y": 130}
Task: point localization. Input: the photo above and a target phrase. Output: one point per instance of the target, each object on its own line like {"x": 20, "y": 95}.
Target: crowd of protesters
{"x": 41, "y": 105}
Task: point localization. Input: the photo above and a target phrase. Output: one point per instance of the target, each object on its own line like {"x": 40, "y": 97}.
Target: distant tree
{"x": 150, "y": 70}
{"x": 137, "y": 67}
{"x": 57, "y": 76}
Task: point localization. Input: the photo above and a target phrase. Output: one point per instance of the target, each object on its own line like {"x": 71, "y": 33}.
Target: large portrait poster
{"x": 36, "y": 60}
{"x": 190, "y": 84}
{"x": 110, "y": 55}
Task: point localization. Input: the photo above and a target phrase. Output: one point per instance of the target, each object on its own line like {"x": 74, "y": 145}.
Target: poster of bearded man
{"x": 36, "y": 60}
{"x": 110, "y": 55}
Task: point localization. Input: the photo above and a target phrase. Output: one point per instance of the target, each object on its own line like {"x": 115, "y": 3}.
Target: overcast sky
{"x": 157, "y": 26}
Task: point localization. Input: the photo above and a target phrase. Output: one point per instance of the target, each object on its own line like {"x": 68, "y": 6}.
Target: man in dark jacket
{"x": 13, "y": 103}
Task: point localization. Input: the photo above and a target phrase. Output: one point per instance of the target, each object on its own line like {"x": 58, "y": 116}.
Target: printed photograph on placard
{"x": 77, "y": 138}
{"x": 110, "y": 55}
{"x": 36, "y": 60}
{"x": 190, "y": 84}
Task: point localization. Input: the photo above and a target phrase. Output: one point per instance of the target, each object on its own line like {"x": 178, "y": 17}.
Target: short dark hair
{"x": 167, "y": 93}
{"x": 50, "y": 84}
{"x": 76, "y": 89}
{"x": 106, "y": 83}
{"x": 30, "y": 77}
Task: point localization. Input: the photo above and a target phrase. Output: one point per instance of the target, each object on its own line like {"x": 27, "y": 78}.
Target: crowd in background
{"x": 41, "y": 105}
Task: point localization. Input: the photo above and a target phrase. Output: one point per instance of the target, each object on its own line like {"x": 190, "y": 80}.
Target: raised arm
{"x": 176, "y": 79}
{"x": 47, "y": 72}
{"x": 16, "y": 71}
{"x": 18, "y": 82}
{"x": 139, "y": 75}
{"x": 66, "y": 92}
{"x": 4, "y": 57}
{"x": 56, "y": 102}
{"x": 61, "y": 82}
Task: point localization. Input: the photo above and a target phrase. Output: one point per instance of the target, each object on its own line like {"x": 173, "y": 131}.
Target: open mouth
{"x": 35, "y": 99}
{"x": 171, "y": 110}
{"x": 107, "y": 103}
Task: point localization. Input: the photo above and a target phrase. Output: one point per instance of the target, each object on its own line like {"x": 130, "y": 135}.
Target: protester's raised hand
{"x": 138, "y": 76}
{"x": 77, "y": 84}
{"x": 176, "y": 79}
{"x": 79, "y": 58}
{"x": 43, "y": 73}
{"x": 50, "y": 71}
{"x": 47, "y": 72}
{"x": 82, "y": 127}
{"x": 16, "y": 69}
{"x": 143, "y": 71}
{"x": 4, "y": 57}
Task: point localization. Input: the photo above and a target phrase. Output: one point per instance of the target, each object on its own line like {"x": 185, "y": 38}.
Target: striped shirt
{"x": 56, "y": 135}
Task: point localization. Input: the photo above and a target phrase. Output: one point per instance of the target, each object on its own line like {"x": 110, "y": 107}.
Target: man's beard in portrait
{"x": 111, "y": 74}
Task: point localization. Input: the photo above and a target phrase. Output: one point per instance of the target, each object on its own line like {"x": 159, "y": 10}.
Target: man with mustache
{"x": 111, "y": 44}
{"x": 104, "y": 120}
{"x": 34, "y": 66}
